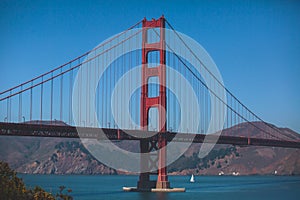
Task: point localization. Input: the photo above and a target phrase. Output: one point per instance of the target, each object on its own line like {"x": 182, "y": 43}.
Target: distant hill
{"x": 244, "y": 160}
{"x": 68, "y": 156}
{"x": 49, "y": 156}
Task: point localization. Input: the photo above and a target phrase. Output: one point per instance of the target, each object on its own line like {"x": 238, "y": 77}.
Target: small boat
{"x": 235, "y": 173}
{"x": 192, "y": 180}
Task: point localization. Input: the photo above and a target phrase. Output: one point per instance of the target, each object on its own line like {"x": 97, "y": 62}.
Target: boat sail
{"x": 192, "y": 180}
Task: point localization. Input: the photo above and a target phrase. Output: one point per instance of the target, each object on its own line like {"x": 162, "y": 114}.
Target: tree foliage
{"x": 13, "y": 188}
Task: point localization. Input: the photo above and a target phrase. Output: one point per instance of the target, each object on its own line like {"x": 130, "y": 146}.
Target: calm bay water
{"x": 205, "y": 187}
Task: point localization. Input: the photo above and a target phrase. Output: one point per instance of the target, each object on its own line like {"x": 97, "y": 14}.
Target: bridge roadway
{"x": 42, "y": 130}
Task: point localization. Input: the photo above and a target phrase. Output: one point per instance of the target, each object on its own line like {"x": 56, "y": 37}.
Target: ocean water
{"x": 205, "y": 187}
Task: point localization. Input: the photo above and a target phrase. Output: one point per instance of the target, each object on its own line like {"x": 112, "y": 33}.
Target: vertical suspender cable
{"x": 87, "y": 81}
{"x": 168, "y": 91}
{"x": 7, "y": 110}
{"x": 70, "y": 96}
{"x": 79, "y": 92}
{"x": 137, "y": 119}
{"x": 105, "y": 92}
{"x": 129, "y": 67}
{"x": 94, "y": 82}
{"x": 51, "y": 98}
{"x": 108, "y": 86}
{"x": 41, "y": 100}
{"x": 123, "y": 72}
{"x": 61, "y": 95}
{"x": 107, "y": 103}
{"x": 20, "y": 105}
{"x": 98, "y": 91}
{"x": 31, "y": 101}
{"x": 100, "y": 100}
{"x": 10, "y": 100}
{"x": 231, "y": 105}
{"x": 102, "y": 92}
{"x": 174, "y": 97}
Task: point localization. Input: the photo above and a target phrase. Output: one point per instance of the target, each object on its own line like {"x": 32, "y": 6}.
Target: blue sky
{"x": 255, "y": 44}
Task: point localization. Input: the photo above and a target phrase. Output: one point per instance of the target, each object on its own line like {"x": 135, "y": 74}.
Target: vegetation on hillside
{"x": 13, "y": 188}
{"x": 195, "y": 162}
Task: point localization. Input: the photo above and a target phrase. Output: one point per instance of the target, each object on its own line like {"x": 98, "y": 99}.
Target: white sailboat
{"x": 192, "y": 180}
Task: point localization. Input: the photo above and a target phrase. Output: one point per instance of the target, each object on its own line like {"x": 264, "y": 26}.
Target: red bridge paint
{"x": 149, "y": 102}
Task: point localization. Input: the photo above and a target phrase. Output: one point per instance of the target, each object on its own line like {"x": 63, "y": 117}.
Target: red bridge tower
{"x": 159, "y": 102}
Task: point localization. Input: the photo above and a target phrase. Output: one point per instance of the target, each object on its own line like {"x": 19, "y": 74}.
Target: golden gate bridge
{"x": 45, "y": 105}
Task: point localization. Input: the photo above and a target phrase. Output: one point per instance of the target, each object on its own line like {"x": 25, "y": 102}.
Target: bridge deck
{"x": 42, "y": 130}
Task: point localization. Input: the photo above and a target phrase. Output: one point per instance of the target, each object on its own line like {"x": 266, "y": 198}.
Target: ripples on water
{"x": 205, "y": 187}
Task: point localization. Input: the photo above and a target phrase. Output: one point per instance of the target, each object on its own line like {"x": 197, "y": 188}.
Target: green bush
{"x": 13, "y": 188}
